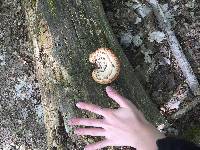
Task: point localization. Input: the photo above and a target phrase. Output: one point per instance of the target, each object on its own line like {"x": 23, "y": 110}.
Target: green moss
{"x": 52, "y": 6}
{"x": 33, "y": 3}
{"x": 63, "y": 82}
{"x": 192, "y": 134}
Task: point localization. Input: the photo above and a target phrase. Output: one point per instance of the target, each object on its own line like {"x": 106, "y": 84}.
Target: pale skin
{"x": 125, "y": 126}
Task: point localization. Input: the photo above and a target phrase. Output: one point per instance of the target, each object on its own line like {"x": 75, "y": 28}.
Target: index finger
{"x": 122, "y": 101}
{"x": 91, "y": 107}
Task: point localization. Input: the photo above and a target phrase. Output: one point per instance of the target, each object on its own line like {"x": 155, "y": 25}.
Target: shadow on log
{"x": 64, "y": 33}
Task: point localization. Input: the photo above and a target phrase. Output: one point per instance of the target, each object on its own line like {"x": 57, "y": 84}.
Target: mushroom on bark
{"x": 107, "y": 65}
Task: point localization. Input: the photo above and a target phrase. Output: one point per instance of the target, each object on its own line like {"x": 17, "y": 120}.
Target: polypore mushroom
{"x": 107, "y": 65}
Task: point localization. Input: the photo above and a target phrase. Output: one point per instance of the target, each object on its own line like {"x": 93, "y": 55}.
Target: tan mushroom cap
{"x": 108, "y": 65}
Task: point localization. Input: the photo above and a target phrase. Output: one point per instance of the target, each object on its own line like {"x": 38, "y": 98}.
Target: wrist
{"x": 149, "y": 139}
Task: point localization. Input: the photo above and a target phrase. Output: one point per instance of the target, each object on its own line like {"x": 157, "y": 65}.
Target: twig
{"x": 141, "y": 9}
{"x": 175, "y": 47}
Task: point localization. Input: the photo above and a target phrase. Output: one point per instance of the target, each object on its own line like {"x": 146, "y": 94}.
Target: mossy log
{"x": 64, "y": 33}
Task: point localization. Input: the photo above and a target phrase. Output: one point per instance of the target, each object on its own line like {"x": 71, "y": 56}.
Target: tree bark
{"x": 64, "y": 33}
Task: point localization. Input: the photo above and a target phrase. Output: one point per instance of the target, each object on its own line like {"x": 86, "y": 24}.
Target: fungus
{"x": 107, "y": 65}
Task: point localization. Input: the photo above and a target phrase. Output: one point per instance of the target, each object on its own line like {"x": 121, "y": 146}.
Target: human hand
{"x": 125, "y": 126}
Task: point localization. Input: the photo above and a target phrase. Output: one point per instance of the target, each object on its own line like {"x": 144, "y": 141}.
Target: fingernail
{"x": 109, "y": 89}
{"x": 78, "y": 104}
{"x": 77, "y": 132}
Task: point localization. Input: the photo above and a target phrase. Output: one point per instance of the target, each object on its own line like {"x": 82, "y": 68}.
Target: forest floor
{"x": 146, "y": 47}
{"x": 21, "y": 116}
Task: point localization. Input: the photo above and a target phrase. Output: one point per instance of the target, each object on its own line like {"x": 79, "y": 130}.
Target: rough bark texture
{"x": 64, "y": 33}
{"x": 21, "y": 122}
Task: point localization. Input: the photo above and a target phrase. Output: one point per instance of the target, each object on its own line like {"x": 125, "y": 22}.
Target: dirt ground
{"x": 145, "y": 45}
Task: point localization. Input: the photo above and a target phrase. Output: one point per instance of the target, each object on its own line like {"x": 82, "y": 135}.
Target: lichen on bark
{"x": 52, "y": 5}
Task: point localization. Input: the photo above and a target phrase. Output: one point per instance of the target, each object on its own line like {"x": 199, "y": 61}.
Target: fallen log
{"x": 63, "y": 35}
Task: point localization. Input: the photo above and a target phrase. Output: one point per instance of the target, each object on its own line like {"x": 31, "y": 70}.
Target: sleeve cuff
{"x": 172, "y": 143}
